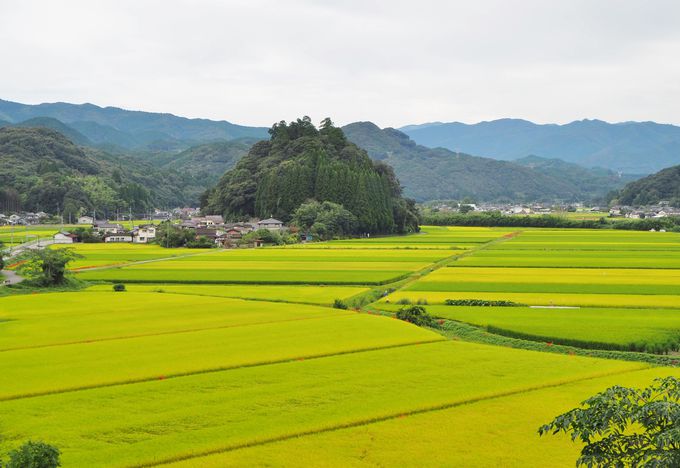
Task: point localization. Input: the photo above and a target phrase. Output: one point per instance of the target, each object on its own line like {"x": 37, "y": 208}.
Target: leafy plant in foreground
{"x": 626, "y": 426}
{"x": 34, "y": 455}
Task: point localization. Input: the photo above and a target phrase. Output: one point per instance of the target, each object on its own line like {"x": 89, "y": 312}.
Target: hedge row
{"x": 498, "y": 219}
{"x": 481, "y": 303}
{"x": 475, "y": 334}
{"x": 654, "y": 348}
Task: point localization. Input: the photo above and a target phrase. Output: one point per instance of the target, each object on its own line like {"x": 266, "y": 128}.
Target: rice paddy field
{"x": 236, "y": 358}
{"x": 14, "y": 235}
{"x": 277, "y": 266}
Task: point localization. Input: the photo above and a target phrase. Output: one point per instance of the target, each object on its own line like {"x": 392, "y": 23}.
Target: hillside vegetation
{"x": 300, "y": 163}
{"x": 664, "y": 185}
{"x": 431, "y": 174}
{"x": 206, "y": 162}
{"x": 42, "y": 170}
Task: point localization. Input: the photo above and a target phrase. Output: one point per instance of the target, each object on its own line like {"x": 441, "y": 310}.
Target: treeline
{"x": 497, "y": 219}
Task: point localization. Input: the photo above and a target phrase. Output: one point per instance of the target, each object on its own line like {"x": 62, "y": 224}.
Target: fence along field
{"x": 208, "y": 376}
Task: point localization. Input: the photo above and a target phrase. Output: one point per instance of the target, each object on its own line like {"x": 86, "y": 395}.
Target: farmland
{"x": 598, "y": 327}
{"x": 21, "y": 234}
{"x": 236, "y": 357}
{"x": 278, "y": 266}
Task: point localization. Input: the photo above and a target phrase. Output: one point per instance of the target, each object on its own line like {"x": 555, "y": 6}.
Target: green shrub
{"x": 34, "y": 455}
{"x": 481, "y": 303}
{"x": 119, "y": 287}
{"x": 416, "y": 315}
{"x": 339, "y": 304}
{"x": 404, "y": 301}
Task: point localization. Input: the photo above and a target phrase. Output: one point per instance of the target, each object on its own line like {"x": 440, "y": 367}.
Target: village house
{"x": 144, "y": 234}
{"x": 271, "y": 224}
{"x": 104, "y": 227}
{"x": 86, "y": 220}
{"x": 63, "y": 237}
{"x": 209, "y": 233}
{"x": 208, "y": 221}
{"x": 121, "y": 236}
{"x": 230, "y": 238}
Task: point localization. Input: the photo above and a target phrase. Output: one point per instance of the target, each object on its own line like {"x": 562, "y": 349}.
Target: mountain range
{"x": 629, "y": 147}
{"x": 114, "y": 127}
{"x": 202, "y": 150}
{"x": 440, "y": 174}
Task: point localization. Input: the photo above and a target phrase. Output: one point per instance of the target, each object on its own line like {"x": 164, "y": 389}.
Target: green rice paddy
{"x": 235, "y": 358}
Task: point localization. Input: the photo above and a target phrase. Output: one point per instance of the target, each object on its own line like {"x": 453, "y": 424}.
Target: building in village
{"x": 63, "y": 237}
{"x": 104, "y": 227}
{"x": 144, "y": 234}
{"x": 118, "y": 237}
{"x": 270, "y": 224}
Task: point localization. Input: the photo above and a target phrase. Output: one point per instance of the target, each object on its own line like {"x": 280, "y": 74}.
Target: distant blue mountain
{"x": 111, "y": 126}
{"x": 630, "y": 147}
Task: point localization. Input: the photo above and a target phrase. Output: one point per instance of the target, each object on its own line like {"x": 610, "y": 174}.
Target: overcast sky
{"x": 255, "y": 62}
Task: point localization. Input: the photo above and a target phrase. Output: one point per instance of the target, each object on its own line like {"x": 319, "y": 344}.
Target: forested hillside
{"x": 431, "y": 174}
{"x": 664, "y": 185}
{"x": 592, "y": 182}
{"x": 629, "y": 147}
{"x": 299, "y": 163}
{"x": 208, "y": 162}
{"x": 42, "y": 170}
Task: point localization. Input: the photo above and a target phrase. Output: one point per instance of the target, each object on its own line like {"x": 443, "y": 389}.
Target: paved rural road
{"x": 10, "y": 276}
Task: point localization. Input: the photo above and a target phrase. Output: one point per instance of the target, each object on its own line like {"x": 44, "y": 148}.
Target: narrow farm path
{"x": 9, "y": 277}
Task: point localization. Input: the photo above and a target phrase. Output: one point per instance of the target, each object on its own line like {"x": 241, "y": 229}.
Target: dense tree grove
{"x": 301, "y": 163}
{"x": 324, "y": 220}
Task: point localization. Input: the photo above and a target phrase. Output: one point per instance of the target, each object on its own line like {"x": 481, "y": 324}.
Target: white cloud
{"x": 392, "y": 62}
